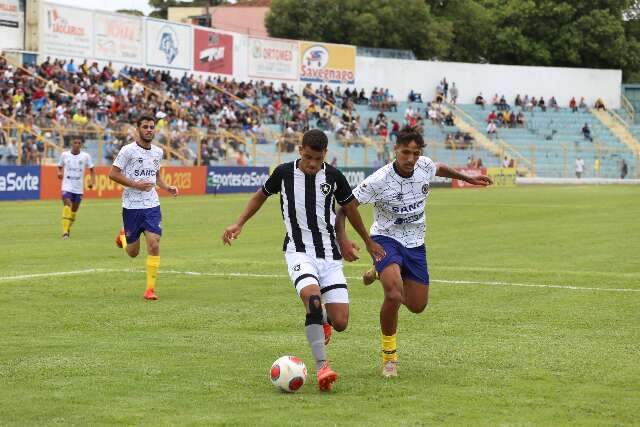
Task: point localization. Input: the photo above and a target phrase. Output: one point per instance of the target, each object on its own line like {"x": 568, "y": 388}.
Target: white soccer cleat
{"x": 390, "y": 369}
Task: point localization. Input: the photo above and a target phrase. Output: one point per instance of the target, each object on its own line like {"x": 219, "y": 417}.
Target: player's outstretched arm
{"x": 352, "y": 213}
{"x": 233, "y": 231}
{"x": 447, "y": 172}
{"x": 172, "y": 189}
{"x": 115, "y": 174}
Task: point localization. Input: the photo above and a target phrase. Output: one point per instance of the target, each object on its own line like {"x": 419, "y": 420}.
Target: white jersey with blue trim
{"x": 398, "y": 202}
{"x": 74, "y": 166}
{"x": 139, "y": 164}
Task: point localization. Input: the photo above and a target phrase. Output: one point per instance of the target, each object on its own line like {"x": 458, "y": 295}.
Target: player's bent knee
{"x": 417, "y": 307}
{"x": 339, "y": 324}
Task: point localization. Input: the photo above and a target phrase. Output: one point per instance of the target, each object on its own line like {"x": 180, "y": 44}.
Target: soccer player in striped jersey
{"x": 137, "y": 168}
{"x": 308, "y": 188}
{"x": 398, "y": 192}
{"x": 71, "y": 167}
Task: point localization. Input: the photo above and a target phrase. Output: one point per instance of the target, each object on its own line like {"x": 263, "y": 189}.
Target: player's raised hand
{"x": 231, "y": 233}
{"x": 173, "y": 190}
{"x": 375, "y": 250}
{"x": 349, "y": 250}
{"x": 482, "y": 180}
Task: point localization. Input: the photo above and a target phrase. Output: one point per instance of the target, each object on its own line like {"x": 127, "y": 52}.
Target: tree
{"x": 394, "y": 24}
{"x": 133, "y": 12}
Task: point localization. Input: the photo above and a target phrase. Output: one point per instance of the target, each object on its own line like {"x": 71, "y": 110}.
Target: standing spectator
{"x": 445, "y": 86}
{"x": 624, "y": 169}
{"x": 505, "y": 162}
{"x": 579, "y": 167}
{"x": 586, "y": 132}
{"x": 454, "y": 93}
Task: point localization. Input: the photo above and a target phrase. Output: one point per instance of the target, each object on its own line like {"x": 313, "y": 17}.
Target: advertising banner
{"x": 118, "y": 38}
{"x": 189, "y": 180}
{"x": 19, "y": 182}
{"x": 273, "y": 59}
{"x": 356, "y": 175}
{"x": 212, "y": 52}
{"x": 468, "y": 171}
{"x": 502, "y": 177}
{"x": 11, "y": 24}
{"x": 232, "y": 179}
{"x": 168, "y": 44}
{"x": 66, "y": 31}
{"x": 327, "y": 63}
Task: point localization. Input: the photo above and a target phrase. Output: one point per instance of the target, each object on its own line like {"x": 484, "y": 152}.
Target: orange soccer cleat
{"x": 149, "y": 295}
{"x": 327, "y": 332}
{"x": 119, "y": 238}
{"x": 326, "y": 377}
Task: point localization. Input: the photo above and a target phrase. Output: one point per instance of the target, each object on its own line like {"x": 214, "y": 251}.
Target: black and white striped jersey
{"x": 308, "y": 209}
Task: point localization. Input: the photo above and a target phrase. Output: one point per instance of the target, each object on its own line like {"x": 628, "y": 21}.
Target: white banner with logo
{"x": 118, "y": 38}
{"x": 11, "y": 25}
{"x": 273, "y": 59}
{"x": 168, "y": 44}
{"x": 65, "y": 31}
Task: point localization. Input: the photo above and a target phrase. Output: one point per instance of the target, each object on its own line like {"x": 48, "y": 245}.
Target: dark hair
{"x": 76, "y": 137}
{"x": 408, "y": 134}
{"x": 315, "y": 139}
{"x": 145, "y": 118}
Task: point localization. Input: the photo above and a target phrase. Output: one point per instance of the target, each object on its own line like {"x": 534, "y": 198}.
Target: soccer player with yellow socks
{"x": 71, "y": 167}
{"x": 137, "y": 168}
{"x": 399, "y": 193}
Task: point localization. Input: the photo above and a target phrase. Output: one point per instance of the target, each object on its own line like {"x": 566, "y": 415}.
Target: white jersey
{"x": 73, "y": 174}
{"x": 139, "y": 164}
{"x": 399, "y": 203}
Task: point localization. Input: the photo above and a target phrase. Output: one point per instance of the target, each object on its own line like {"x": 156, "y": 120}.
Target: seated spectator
{"x": 415, "y": 97}
{"x": 480, "y": 100}
{"x": 554, "y": 104}
{"x": 582, "y": 105}
{"x": 586, "y": 132}
{"x": 599, "y": 105}
{"x": 573, "y": 105}
{"x": 541, "y": 104}
{"x": 520, "y": 119}
{"x": 495, "y": 100}
{"x": 492, "y": 116}
{"x": 502, "y": 104}
{"x": 518, "y": 101}
{"x": 505, "y": 162}
{"x": 492, "y": 129}
{"x": 449, "y": 119}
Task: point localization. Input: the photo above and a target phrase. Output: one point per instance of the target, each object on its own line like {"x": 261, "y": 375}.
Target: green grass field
{"x": 505, "y": 349}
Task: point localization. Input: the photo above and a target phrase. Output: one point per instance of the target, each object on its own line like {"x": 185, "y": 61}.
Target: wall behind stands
{"x": 400, "y": 76}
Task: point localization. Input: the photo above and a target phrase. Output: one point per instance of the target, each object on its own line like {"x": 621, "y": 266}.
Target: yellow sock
{"x": 153, "y": 264}
{"x": 123, "y": 240}
{"x": 389, "y": 348}
{"x": 66, "y": 219}
{"x": 72, "y": 218}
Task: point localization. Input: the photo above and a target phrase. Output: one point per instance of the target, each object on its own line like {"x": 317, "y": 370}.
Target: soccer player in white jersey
{"x": 137, "y": 168}
{"x": 308, "y": 188}
{"x": 71, "y": 167}
{"x": 398, "y": 192}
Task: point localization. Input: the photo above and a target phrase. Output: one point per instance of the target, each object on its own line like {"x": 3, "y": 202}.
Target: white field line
{"x": 281, "y": 276}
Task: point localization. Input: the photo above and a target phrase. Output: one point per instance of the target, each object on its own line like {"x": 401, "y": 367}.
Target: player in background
{"x": 71, "y": 167}
{"x": 137, "y": 168}
{"x": 308, "y": 188}
{"x": 399, "y": 192}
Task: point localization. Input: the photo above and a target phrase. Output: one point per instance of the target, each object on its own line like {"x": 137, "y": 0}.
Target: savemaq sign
{"x": 19, "y": 182}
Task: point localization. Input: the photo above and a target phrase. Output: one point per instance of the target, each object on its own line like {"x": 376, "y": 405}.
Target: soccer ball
{"x": 288, "y": 373}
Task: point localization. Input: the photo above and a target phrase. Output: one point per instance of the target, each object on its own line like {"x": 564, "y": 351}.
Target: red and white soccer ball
{"x": 288, "y": 373}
